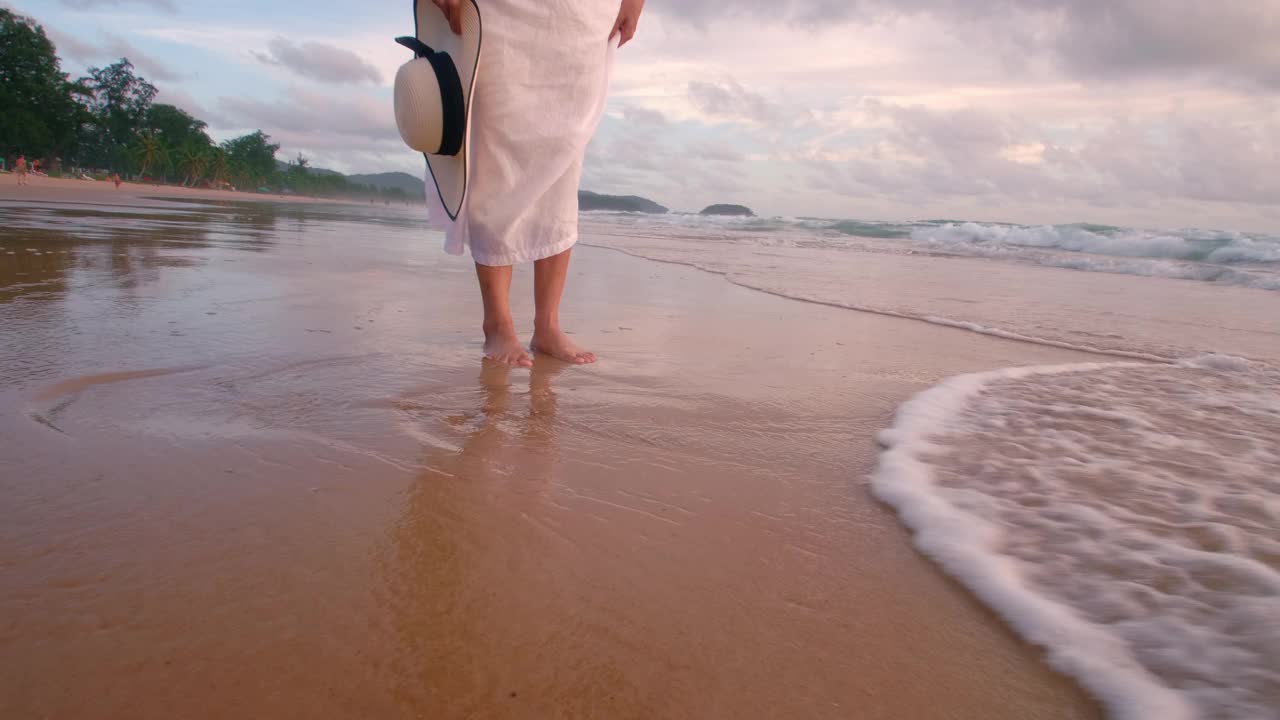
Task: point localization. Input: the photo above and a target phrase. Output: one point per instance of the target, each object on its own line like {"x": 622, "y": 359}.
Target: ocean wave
{"x": 860, "y": 228}
{"x": 1193, "y": 245}
{"x": 1125, "y": 517}
{"x": 1238, "y": 276}
{"x": 1227, "y": 258}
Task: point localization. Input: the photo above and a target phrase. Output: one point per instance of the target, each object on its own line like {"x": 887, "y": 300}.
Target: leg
{"x": 500, "y": 341}
{"x": 548, "y": 283}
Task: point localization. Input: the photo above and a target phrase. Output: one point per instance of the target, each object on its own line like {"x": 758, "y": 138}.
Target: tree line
{"x": 107, "y": 122}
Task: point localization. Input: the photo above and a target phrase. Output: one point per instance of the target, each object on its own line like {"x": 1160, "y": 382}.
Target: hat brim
{"x": 449, "y": 172}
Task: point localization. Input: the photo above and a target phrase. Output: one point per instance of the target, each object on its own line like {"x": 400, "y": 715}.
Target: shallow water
{"x": 1126, "y": 519}
{"x": 240, "y": 435}
{"x": 1123, "y": 315}
{"x": 243, "y": 434}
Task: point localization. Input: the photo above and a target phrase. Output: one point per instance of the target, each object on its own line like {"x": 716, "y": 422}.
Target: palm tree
{"x": 192, "y": 161}
{"x": 217, "y": 166}
{"x": 239, "y": 172}
{"x": 150, "y": 151}
{"x": 297, "y": 176}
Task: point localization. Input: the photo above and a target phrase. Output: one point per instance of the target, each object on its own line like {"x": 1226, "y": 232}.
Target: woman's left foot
{"x": 558, "y": 345}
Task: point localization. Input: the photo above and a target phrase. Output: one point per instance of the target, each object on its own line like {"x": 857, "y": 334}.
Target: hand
{"x": 452, "y": 9}
{"x": 628, "y": 18}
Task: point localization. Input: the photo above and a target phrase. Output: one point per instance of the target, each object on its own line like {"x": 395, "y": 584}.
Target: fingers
{"x": 617, "y": 24}
{"x": 455, "y": 16}
{"x": 628, "y": 20}
{"x": 455, "y": 19}
{"x": 452, "y": 10}
{"x": 624, "y": 29}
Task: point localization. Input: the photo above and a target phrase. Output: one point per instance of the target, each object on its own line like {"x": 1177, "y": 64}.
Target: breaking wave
{"x": 1124, "y": 517}
{"x": 1230, "y": 258}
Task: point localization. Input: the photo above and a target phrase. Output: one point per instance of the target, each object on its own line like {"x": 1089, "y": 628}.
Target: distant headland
{"x": 588, "y": 200}
{"x": 724, "y": 209}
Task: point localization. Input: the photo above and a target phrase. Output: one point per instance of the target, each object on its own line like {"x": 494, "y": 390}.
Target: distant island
{"x": 588, "y": 200}
{"x": 740, "y": 210}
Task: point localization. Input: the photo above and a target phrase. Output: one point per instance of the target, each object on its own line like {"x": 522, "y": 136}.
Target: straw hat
{"x": 433, "y": 95}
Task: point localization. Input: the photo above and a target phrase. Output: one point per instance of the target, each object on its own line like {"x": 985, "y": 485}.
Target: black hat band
{"x": 453, "y": 107}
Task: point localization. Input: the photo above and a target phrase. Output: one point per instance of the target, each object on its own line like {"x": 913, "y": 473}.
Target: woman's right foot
{"x": 502, "y": 345}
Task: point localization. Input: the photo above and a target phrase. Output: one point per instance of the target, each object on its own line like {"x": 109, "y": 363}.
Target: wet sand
{"x": 47, "y": 189}
{"x": 253, "y": 467}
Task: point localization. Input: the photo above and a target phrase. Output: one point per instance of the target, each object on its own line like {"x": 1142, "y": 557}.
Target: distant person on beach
{"x": 551, "y": 61}
{"x": 20, "y": 167}
{"x": 115, "y": 178}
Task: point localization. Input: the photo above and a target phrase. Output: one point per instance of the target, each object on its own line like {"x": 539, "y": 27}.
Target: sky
{"x": 1156, "y": 113}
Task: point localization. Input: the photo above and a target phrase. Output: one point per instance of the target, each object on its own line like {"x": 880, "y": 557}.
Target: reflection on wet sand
{"x": 45, "y": 242}
{"x": 77, "y": 279}
{"x": 38, "y": 269}
{"x": 123, "y": 249}
{"x": 465, "y": 572}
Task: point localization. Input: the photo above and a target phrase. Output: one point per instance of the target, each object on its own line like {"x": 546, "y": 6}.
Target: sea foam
{"x": 1125, "y": 517}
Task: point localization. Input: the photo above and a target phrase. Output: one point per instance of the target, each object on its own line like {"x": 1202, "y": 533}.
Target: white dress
{"x": 539, "y": 94}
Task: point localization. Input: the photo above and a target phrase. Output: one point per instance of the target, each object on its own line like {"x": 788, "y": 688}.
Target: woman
{"x": 537, "y": 99}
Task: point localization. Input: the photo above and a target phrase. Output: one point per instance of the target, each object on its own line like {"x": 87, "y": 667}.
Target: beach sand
{"x": 253, "y": 467}
{"x": 47, "y": 189}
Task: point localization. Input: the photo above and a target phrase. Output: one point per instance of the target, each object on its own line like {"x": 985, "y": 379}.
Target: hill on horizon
{"x": 282, "y": 165}
{"x": 413, "y": 186}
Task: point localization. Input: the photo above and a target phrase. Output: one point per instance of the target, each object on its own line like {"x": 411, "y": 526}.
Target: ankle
{"x": 545, "y": 326}
{"x": 494, "y": 328}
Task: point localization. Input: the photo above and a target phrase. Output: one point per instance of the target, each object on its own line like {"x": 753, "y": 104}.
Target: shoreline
{"x": 939, "y": 321}
{"x": 47, "y": 189}
{"x": 684, "y": 530}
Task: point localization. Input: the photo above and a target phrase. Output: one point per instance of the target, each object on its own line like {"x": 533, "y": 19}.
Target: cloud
{"x": 348, "y": 131}
{"x": 1098, "y": 39}
{"x": 183, "y": 100}
{"x": 1028, "y": 110}
{"x": 70, "y": 46}
{"x": 320, "y": 61}
{"x": 148, "y": 66}
{"x": 713, "y": 151}
{"x": 924, "y": 155}
{"x": 641, "y": 151}
{"x": 111, "y": 48}
{"x": 644, "y": 116}
{"x": 301, "y": 111}
{"x": 166, "y": 5}
{"x": 728, "y": 99}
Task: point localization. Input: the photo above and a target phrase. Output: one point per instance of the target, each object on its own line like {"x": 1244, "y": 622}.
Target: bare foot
{"x": 558, "y": 345}
{"x": 503, "y": 346}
